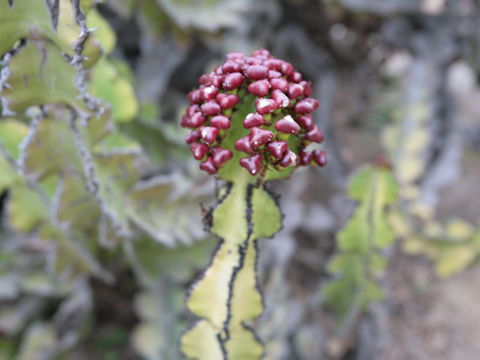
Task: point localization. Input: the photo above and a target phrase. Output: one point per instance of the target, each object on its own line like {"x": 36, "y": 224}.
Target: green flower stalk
{"x": 250, "y": 122}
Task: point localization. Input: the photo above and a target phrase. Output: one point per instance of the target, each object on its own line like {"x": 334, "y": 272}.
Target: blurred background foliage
{"x": 102, "y": 230}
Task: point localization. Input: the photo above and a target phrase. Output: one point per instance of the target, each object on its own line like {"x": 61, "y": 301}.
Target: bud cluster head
{"x": 253, "y": 112}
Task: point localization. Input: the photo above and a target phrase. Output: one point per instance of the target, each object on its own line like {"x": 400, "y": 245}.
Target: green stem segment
{"x": 227, "y": 296}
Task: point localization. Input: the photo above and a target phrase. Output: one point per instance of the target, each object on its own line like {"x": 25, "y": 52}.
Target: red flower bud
{"x": 305, "y": 121}
{"x": 313, "y": 102}
{"x": 256, "y": 72}
{"x": 295, "y": 90}
{"x": 263, "y": 53}
{"x": 259, "y": 88}
{"x": 230, "y": 67}
{"x": 235, "y": 55}
{"x": 279, "y": 84}
{"x": 307, "y": 89}
{"x": 306, "y": 158}
{"x": 286, "y": 68}
{"x": 303, "y": 107}
{"x": 259, "y": 137}
{"x": 208, "y": 166}
{"x": 210, "y": 108}
{"x": 220, "y": 121}
{"x": 198, "y": 150}
{"x": 281, "y": 99}
{"x": 209, "y": 134}
{"x": 252, "y": 163}
{"x": 290, "y": 159}
{"x": 208, "y": 93}
{"x": 227, "y": 101}
{"x": 277, "y": 149}
{"x": 243, "y": 144}
{"x": 265, "y": 106}
{"x": 273, "y": 74}
{"x": 195, "y": 97}
{"x": 221, "y": 156}
{"x": 196, "y": 120}
{"x": 287, "y": 125}
{"x": 192, "y": 136}
{"x": 253, "y": 119}
{"x": 192, "y": 109}
{"x": 320, "y": 157}
{"x": 295, "y": 77}
{"x": 232, "y": 81}
{"x": 273, "y": 64}
{"x": 315, "y": 135}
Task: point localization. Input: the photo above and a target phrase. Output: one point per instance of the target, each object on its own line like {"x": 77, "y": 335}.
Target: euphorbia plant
{"x": 250, "y": 122}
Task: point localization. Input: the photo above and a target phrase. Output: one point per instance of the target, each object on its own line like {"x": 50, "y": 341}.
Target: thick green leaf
{"x": 200, "y": 342}
{"x": 110, "y": 84}
{"x": 25, "y": 208}
{"x": 40, "y": 74}
{"x": 31, "y": 18}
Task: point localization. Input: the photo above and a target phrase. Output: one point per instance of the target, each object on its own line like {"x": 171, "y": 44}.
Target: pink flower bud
{"x": 295, "y": 77}
{"x": 303, "y": 107}
{"x": 235, "y": 55}
{"x": 192, "y": 136}
{"x": 243, "y": 144}
{"x": 252, "y": 163}
{"x": 208, "y": 166}
{"x": 313, "y": 102}
{"x": 305, "y": 121}
{"x": 295, "y": 90}
{"x": 281, "y": 99}
{"x": 232, "y": 81}
{"x": 261, "y": 53}
{"x": 307, "y": 88}
{"x": 221, "y": 156}
{"x": 253, "y": 119}
{"x": 217, "y": 81}
{"x": 290, "y": 159}
{"x": 230, "y": 67}
{"x": 198, "y": 150}
{"x": 279, "y": 84}
{"x": 320, "y": 157}
{"x": 208, "y": 93}
{"x": 273, "y": 64}
{"x": 197, "y": 120}
{"x": 251, "y": 60}
{"x": 315, "y": 135}
{"x": 259, "y": 88}
{"x": 259, "y": 137}
{"x": 286, "y": 68}
{"x": 273, "y": 74}
{"x": 227, "y": 101}
{"x": 306, "y": 158}
{"x": 277, "y": 149}
{"x": 265, "y": 106}
{"x": 194, "y": 97}
{"x": 287, "y": 125}
{"x": 210, "y": 108}
{"x": 256, "y": 72}
{"x": 220, "y": 121}
{"x": 209, "y": 134}
{"x": 192, "y": 109}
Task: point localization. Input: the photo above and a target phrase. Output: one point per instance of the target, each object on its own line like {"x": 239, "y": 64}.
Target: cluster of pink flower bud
{"x": 283, "y": 107}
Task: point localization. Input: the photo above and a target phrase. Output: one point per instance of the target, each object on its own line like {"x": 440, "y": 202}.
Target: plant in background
{"x": 250, "y": 123}
{"x": 362, "y": 243}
